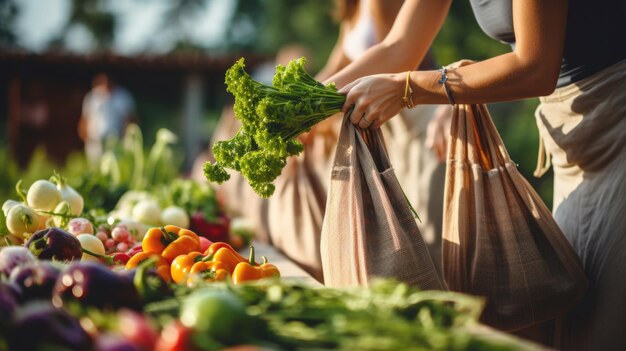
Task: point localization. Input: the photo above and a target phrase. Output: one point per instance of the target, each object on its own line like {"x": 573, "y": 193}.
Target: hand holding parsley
{"x": 272, "y": 117}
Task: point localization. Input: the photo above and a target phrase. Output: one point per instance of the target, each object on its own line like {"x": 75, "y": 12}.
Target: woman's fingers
{"x": 365, "y": 123}
{"x": 350, "y": 98}
{"x": 372, "y": 99}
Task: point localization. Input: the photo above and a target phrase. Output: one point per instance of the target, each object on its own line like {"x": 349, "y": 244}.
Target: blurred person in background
{"x": 364, "y": 23}
{"x": 107, "y": 109}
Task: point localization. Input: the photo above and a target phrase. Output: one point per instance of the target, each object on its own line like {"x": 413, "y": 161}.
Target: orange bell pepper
{"x": 213, "y": 248}
{"x": 170, "y": 241}
{"x": 208, "y": 271}
{"x": 247, "y": 271}
{"x": 228, "y": 257}
{"x": 182, "y": 264}
{"x": 162, "y": 266}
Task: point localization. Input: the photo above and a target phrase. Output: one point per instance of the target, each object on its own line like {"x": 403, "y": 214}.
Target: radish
{"x": 148, "y": 212}
{"x": 175, "y": 215}
{"x": 68, "y": 194}
{"x": 43, "y": 195}
{"x": 22, "y": 219}
{"x": 136, "y": 229}
{"x": 78, "y": 226}
{"x": 6, "y": 206}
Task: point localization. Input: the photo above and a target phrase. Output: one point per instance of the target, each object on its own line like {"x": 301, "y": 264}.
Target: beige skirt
{"x": 583, "y": 128}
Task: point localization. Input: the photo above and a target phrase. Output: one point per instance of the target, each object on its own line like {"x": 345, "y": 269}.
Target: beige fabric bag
{"x": 419, "y": 172}
{"x": 296, "y": 211}
{"x": 500, "y": 241}
{"x": 369, "y": 229}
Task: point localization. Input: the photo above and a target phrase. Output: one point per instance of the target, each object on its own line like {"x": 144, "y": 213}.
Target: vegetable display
{"x": 272, "y": 117}
{"x": 92, "y": 280}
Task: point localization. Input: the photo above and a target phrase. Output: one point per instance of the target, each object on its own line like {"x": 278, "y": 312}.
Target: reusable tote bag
{"x": 296, "y": 211}
{"x": 500, "y": 240}
{"x": 369, "y": 229}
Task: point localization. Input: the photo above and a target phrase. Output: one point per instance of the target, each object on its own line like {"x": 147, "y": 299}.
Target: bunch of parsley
{"x": 272, "y": 117}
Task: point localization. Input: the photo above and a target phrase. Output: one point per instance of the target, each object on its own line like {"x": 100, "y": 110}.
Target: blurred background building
{"x": 172, "y": 55}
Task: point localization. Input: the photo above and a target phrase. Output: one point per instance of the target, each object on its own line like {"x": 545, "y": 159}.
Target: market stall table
{"x": 288, "y": 269}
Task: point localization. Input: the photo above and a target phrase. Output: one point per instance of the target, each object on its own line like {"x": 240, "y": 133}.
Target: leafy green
{"x": 388, "y": 315}
{"x": 191, "y": 196}
{"x": 272, "y": 117}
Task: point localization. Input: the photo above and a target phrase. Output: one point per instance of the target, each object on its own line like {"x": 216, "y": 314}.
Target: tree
{"x": 8, "y": 13}
{"x": 93, "y": 16}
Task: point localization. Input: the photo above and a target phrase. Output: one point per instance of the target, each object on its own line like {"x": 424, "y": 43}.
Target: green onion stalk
{"x": 272, "y": 118}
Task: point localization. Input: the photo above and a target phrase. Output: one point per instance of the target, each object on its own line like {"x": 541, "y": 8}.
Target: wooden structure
{"x": 41, "y": 94}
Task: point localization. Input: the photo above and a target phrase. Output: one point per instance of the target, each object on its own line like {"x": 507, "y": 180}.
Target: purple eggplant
{"x": 8, "y": 304}
{"x": 54, "y": 244}
{"x": 93, "y": 284}
{"x": 36, "y": 280}
{"x": 13, "y": 256}
{"x": 38, "y": 325}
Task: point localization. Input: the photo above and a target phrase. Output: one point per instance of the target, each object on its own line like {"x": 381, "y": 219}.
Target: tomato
{"x": 175, "y": 337}
{"x": 137, "y": 329}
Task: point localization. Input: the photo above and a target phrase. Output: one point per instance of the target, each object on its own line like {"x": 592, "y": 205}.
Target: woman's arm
{"x": 405, "y": 46}
{"x": 337, "y": 59}
{"x": 384, "y": 13}
{"x": 530, "y": 70}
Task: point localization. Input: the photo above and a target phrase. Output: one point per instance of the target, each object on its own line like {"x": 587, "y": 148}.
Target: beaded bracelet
{"x": 408, "y": 99}
{"x": 443, "y": 80}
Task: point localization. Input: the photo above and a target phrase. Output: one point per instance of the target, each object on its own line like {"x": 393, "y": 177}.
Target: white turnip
{"x": 175, "y": 215}
{"x": 93, "y": 244}
{"x": 22, "y": 219}
{"x": 69, "y": 194}
{"x": 148, "y": 212}
{"x": 43, "y": 195}
{"x": 6, "y": 206}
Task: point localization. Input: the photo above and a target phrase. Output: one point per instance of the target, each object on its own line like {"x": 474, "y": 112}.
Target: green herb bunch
{"x": 272, "y": 117}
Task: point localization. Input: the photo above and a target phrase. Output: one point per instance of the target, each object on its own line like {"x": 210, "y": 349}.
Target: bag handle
{"x": 483, "y": 138}
{"x": 375, "y": 144}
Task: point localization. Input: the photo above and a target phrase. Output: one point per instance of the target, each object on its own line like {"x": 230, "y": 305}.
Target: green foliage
{"x": 191, "y": 196}
{"x": 95, "y": 18}
{"x": 8, "y": 13}
{"x": 265, "y": 26}
{"x": 272, "y": 117}
{"x": 387, "y": 315}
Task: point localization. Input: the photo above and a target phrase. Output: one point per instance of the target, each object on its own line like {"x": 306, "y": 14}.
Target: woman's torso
{"x": 594, "y": 37}
{"x": 361, "y": 35}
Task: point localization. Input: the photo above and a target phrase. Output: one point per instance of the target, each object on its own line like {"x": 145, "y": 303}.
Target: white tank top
{"x": 361, "y": 36}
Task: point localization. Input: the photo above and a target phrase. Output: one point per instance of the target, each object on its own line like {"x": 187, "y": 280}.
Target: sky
{"x": 138, "y": 25}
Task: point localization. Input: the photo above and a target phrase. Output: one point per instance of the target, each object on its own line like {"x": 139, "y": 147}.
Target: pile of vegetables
{"x": 44, "y": 204}
{"x": 272, "y": 117}
{"x": 85, "y": 305}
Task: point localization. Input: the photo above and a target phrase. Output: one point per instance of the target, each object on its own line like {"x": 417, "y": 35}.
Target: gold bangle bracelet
{"x": 408, "y": 92}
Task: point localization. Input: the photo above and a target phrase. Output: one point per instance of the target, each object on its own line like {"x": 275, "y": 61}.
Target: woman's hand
{"x": 375, "y": 99}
